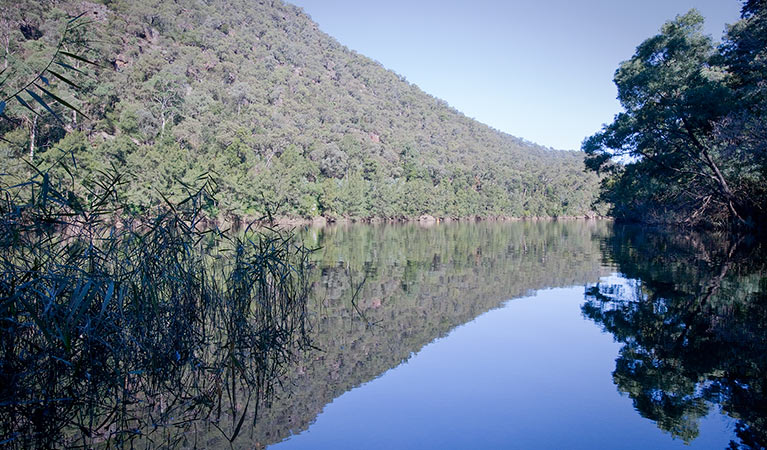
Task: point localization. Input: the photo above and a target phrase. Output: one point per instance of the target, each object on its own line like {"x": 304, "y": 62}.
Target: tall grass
{"x": 117, "y": 329}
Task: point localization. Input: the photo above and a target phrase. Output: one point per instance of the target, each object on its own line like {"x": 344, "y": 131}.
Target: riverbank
{"x": 425, "y": 220}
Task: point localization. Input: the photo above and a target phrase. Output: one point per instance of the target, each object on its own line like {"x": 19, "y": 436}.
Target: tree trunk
{"x": 729, "y": 196}
{"x": 723, "y": 186}
{"x": 7, "y": 42}
{"x": 32, "y": 137}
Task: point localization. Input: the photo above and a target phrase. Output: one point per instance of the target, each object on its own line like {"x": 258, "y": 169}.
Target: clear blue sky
{"x": 538, "y": 70}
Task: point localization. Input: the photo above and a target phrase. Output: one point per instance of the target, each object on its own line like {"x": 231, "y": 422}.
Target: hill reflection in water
{"x": 381, "y": 293}
{"x": 685, "y": 315}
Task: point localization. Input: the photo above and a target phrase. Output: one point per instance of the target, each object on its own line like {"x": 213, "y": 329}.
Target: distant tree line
{"x": 691, "y": 145}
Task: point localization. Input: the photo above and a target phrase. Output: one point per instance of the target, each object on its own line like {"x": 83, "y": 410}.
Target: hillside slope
{"x": 278, "y": 113}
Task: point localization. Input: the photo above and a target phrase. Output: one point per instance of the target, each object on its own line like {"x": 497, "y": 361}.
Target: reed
{"x": 117, "y": 329}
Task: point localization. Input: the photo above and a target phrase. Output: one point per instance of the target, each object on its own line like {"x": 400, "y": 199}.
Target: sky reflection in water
{"x": 532, "y": 374}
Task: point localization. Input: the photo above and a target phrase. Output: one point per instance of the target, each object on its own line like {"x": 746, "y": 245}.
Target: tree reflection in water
{"x": 691, "y": 313}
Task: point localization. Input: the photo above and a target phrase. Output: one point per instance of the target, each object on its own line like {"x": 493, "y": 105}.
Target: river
{"x": 569, "y": 334}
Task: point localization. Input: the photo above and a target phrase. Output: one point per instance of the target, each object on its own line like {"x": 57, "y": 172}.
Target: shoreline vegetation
{"x": 425, "y": 219}
{"x": 138, "y": 331}
{"x": 123, "y": 328}
{"x": 690, "y": 147}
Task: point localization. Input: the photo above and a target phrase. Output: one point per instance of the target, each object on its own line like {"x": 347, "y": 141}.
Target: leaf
{"x": 62, "y": 101}
{"x": 77, "y": 16}
{"x": 45, "y": 80}
{"x": 2, "y": 107}
{"x": 64, "y": 79}
{"x": 46, "y": 186}
{"x": 78, "y": 296}
{"x": 39, "y": 100}
{"x": 79, "y": 58}
{"x": 41, "y": 324}
{"x": 67, "y": 66}
{"x": 107, "y": 297}
{"x": 242, "y": 419}
{"x": 26, "y": 105}
{"x": 82, "y": 24}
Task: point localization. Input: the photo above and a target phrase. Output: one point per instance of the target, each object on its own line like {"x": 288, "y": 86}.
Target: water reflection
{"x": 419, "y": 284}
{"x": 379, "y": 294}
{"x": 691, "y": 313}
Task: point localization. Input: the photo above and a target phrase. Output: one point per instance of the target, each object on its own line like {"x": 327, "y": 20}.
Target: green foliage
{"x": 36, "y": 80}
{"x": 689, "y": 146}
{"x": 282, "y": 115}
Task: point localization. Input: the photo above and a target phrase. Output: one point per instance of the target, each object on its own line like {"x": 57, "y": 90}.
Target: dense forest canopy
{"x": 690, "y": 146}
{"x": 279, "y": 114}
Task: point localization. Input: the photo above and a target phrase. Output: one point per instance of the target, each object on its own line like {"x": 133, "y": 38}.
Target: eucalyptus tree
{"x": 688, "y": 147}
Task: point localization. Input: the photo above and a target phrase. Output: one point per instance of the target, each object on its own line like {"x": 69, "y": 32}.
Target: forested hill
{"x": 278, "y": 113}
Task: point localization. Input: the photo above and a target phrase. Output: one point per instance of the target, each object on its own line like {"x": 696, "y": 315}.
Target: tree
{"x": 744, "y": 136}
{"x": 673, "y": 155}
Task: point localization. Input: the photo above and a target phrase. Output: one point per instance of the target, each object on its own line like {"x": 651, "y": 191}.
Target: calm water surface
{"x": 553, "y": 335}
{"x": 528, "y": 335}
{"x": 533, "y": 374}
